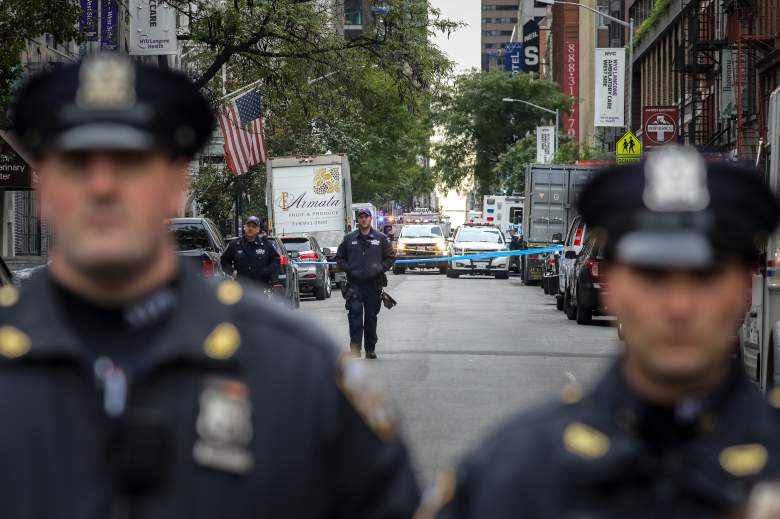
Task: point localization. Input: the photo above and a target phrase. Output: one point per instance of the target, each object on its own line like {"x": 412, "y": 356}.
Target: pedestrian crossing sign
{"x": 628, "y": 149}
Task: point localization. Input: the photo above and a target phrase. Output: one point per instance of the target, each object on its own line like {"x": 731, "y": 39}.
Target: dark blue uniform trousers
{"x": 363, "y": 304}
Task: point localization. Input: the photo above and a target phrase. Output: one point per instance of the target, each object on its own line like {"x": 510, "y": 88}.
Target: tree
{"x": 215, "y": 188}
{"x": 510, "y": 167}
{"x": 22, "y": 20}
{"x": 478, "y": 127}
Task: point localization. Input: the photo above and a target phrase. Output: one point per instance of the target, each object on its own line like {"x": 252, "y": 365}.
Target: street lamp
{"x": 555, "y": 112}
{"x": 630, "y": 25}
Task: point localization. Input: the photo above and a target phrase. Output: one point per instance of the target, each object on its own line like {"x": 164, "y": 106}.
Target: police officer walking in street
{"x": 251, "y": 256}
{"x": 673, "y": 429}
{"x": 365, "y": 255}
{"x": 131, "y": 387}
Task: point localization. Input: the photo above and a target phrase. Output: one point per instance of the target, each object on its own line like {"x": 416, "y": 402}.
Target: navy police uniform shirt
{"x": 256, "y": 259}
{"x": 365, "y": 257}
{"x": 609, "y": 455}
{"x": 233, "y": 408}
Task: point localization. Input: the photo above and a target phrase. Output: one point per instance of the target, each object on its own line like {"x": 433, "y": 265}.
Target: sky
{"x": 463, "y": 45}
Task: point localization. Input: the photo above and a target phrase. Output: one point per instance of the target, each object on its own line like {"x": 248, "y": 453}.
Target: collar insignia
{"x": 229, "y": 292}
{"x": 224, "y": 427}
{"x": 585, "y": 441}
{"x": 106, "y": 82}
{"x": 223, "y": 342}
{"x": 676, "y": 180}
{"x": 13, "y": 343}
{"x": 743, "y": 460}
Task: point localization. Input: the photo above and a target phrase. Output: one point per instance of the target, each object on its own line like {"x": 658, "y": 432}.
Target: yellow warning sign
{"x": 628, "y": 149}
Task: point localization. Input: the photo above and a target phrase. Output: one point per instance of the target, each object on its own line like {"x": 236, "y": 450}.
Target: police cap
{"x": 675, "y": 210}
{"x": 109, "y": 102}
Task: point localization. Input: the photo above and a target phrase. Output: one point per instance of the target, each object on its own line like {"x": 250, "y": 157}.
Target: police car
{"x": 474, "y": 239}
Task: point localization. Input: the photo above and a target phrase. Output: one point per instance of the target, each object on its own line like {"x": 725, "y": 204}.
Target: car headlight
{"x": 441, "y": 246}
{"x": 401, "y": 246}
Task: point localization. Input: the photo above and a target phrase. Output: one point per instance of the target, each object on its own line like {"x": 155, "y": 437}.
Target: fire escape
{"x": 749, "y": 48}
{"x": 697, "y": 61}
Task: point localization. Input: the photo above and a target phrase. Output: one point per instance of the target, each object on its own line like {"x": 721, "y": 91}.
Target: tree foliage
{"x": 22, "y": 20}
{"x": 478, "y": 127}
{"x": 215, "y": 188}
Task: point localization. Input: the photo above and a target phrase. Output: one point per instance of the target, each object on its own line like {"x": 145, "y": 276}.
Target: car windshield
{"x": 297, "y": 244}
{"x": 190, "y": 236}
{"x": 421, "y": 231}
{"x": 480, "y": 235}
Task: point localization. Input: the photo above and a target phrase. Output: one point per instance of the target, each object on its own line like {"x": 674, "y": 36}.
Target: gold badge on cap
{"x": 229, "y": 292}
{"x": 13, "y": 343}
{"x": 223, "y": 342}
{"x": 367, "y": 398}
{"x": 106, "y": 82}
{"x": 571, "y": 393}
{"x": 224, "y": 427}
{"x": 585, "y": 441}
{"x": 9, "y": 296}
{"x": 744, "y": 460}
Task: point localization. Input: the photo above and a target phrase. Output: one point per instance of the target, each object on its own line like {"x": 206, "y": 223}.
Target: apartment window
{"x": 490, "y": 45}
{"x": 499, "y": 20}
{"x": 496, "y": 33}
{"x": 353, "y": 16}
{"x": 499, "y": 8}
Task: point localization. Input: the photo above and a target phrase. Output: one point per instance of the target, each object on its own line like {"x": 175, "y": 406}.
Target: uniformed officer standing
{"x": 673, "y": 429}
{"x": 251, "y": 256}
{"x": 130, "y": 387}
{"x": 365, "y": 255}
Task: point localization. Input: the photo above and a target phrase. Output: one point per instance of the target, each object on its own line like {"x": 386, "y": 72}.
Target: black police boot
{"x": 354, "y": 349}
{"x": 370, "y": 355}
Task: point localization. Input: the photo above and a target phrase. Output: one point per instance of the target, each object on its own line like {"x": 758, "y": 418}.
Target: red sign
{"x": 571, "y": 87}
{"x": 659, "y": 126}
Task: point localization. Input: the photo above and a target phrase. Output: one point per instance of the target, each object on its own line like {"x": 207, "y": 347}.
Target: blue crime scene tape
{"x": 486, "y": 255}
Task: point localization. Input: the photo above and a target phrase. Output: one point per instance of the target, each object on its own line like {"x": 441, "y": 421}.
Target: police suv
{"x": 478, "y": 239}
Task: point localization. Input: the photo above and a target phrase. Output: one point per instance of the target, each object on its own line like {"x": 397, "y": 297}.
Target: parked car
{"x": 572, "y": 246}
{"x": 585, "y": 287}
{"x": 478, "y": 239}
{"x": 311, "y": 278}
{"x": 199, "y": 241}
{"x": 285, "y": 283}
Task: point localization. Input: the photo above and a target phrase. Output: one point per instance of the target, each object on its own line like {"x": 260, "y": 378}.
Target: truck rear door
{"x": 547, "y": 201}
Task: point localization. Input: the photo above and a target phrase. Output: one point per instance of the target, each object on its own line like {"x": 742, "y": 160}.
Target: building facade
{"x": 499, "y": 23}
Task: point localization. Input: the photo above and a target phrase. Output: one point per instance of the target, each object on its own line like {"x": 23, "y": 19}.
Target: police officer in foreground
{"x": 365, "y": 255}
{"x": 673, "y": 429}
{"x": 133, "y": 388}
{"x": 251, "y": 256}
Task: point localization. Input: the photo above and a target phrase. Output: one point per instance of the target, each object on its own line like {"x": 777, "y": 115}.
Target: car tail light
{"x": 283, "y": 261}
{"x": 207, "y": 265}
{"x": 593, "y": 268}
{"x": 308, "y": 256}
{"x": 578, "y": 238}
{"x": 551, "y": 261}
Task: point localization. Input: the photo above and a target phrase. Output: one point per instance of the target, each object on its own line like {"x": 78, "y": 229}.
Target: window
{"x": 421, "y": 231}
{"x": 297, "y": 244}
{"x": 353, "y": 16}
{"x": 480, "y": 235}
{"x": 499, "y": 20}
{"x": 496, "y": 33}
{"x": 191, "y": 236}
{"x": 499, "y": 8}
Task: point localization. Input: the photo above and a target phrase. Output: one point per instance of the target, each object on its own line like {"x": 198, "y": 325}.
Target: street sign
{"x": 659, "y": 126}
{"x": 628, "y": 149}
{"x": 513, "y": 57}
{"x": 531, "y": 46}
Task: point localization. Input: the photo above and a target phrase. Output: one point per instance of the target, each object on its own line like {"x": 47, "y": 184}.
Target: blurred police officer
{"x": 133, "y": 388}
{"x": 365, "y": 255}
{"x": 673, "y": 429}
{"x": 251, "y": 256}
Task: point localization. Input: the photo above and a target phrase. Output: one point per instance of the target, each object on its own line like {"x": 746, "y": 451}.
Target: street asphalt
{"x": 459, "y": 356}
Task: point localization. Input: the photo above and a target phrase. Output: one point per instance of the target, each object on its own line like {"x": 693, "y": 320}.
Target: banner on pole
{"x": 109, "y": 25}
{"x": 152, "y": 29}
{"x": 610, "y": 87}
{"x": 545, "y": 144}
{"x": 513, "y": 57}
{"x": 89, "y": 19}
{"x": 728, "y": 96}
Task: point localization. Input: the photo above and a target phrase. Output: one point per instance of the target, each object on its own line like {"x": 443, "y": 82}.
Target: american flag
{"x": 244, "y": 145}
